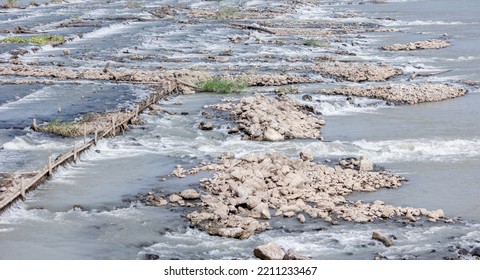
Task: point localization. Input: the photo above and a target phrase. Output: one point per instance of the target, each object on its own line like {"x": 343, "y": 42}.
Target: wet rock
{"x": 475, "y": 252}
{"x": 382, "y": 238}
{"x": 292, "y": 255}
{"x": 437, "y": 214}
{"x": 233, "y": 130}
{"x": 205, "y": 126}
{"x": 307, "y": 97}
{"x": 151, "y": 257}
{"x": 463, "y": 252}
{"x": 175, "y": 198}
{"x": 190, "y": 194}
{"x": 270, "y": 251}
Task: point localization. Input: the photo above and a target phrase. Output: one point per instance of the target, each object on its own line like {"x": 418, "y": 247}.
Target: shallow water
{"x": 436, "y": 146}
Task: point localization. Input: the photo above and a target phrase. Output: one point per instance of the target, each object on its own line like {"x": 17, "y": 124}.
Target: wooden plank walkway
{"x": 16, "y": 185}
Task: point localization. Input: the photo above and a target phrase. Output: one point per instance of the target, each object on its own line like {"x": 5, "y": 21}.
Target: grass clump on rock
{"x": 39, "y": 40}
{"x": 316, "y": 43}
{"x": 217, "y": 85}
{"x": 62, "y": 128}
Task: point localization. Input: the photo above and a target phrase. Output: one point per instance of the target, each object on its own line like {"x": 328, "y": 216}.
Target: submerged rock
{"x": 382, "y": 238}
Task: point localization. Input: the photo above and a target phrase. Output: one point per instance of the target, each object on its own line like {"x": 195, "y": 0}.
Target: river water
{"x": 436, "y": 146}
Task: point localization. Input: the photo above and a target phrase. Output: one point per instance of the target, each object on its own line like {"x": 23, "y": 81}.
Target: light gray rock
{"x": 306, "y": 155}
{"x": 272, "y": 135}
{"x": 382, "y": 238}
{"x": 205, "y": 126}
{"x": 190, "y": 194}
{"x": 301, "y": 218}
{"x": 292, "y": 255}
{"x": 270, "y": 251}
{"x": 365, "y": 164}
{"x": 174, "y": 198}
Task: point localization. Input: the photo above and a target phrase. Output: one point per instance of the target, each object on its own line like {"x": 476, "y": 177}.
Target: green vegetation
{"x": 221, "y": 86}
{"x": 226, "y": 12}
{"x": 12, "y": 3}
{"x": 316, "y": 43}
{"x": 65, "y": 129}
{"x": 40, "y": 40}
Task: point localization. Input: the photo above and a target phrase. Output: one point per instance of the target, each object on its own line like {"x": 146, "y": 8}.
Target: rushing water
{"x": 436, "y": 146}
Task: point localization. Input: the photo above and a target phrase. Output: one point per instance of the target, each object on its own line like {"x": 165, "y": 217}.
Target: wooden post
{"x": 96, "y": 136}
{"x": 136, "y": 111}
{"x": 50, "y": 168}
{"x": 113, "y": 125}
{"x": 74, "y": 152}
{"x": 23, "y": 189}
{"x": 84, "y": 133}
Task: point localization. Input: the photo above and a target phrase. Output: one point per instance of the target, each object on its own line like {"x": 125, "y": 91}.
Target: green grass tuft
{"x": 221, "y": 86}
{"x": 62, "y": 128}
{"x": 39, "y": 40}
{"x": 316, "y": 43}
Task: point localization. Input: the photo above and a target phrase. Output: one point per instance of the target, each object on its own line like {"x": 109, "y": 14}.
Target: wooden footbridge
{"x": 16, "y": 185}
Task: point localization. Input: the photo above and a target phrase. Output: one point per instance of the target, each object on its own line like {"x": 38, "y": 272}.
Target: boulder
{"x": 190, "y": 194}
{"x": 306, "y": 155}
{"x": 382, "y": 238}
{"x": 365, "y": 164}
{"x": 292, "y": 255}
{"x": 272, "y": 135}
{"x": 437, "y": 214}
{"x": 261, "y": 211}
{"x": 270, "y": 251}
{"x": 205, "y": 126}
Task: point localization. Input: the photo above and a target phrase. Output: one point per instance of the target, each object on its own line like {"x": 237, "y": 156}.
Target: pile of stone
{"x": 358, "y": 72}
{"x": 403, "y": 93}
{"x": 270, "y": 79}
{"x": 264, "y": 118}
{"x": 175, "y": 80}
{"x": 420, "y": 45}
{"x": 245, "y": 193}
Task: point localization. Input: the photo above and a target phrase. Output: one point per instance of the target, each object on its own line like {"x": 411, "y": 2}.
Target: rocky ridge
{"x": 264, "y": 118}
{"x": 402, "y": 93}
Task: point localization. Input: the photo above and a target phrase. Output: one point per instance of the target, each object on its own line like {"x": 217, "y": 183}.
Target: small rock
{"x": 270, "y": 251}
{"x": 306, "y": 155}
{"x": 301, "y": 218}
{"x": 174, "y": 198}
{"x": 205, "y": 126}
{"x": 307, "y": 97}
{"x": 475, "y": 252}
{"x": 272, "y": 135}
{"x": 463, "y": 251}
{"x": 365, "y": 164}
{"x": 292, "y": 255}
{"x": 233, "y": 130}
{"x": 190, "y": 194}
{"x": 437, "y": 214}
{"x": 382, "y": 238}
